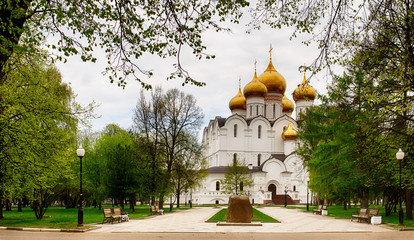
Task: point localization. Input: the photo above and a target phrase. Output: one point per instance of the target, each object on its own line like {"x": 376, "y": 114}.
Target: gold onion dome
{"x": 238, "y": 102}
{"x": 273, "y": 80}
{"x": 289, "y": 133}
{"x": 287, "y": 105}
{"x": 304, "y": 91}
{"x": 255, "y": 88}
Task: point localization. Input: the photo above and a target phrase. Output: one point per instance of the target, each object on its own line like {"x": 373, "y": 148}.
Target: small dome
{"x": 289, "y": 133}
{"x": 255, "y": 88}
{"x": 273, "y": 80}
{"x": 304, "y": 91}
{"x": 287, "y": 105}
{"x": 238, "y": 102}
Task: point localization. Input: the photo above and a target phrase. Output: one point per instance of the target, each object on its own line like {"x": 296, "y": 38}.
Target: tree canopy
{"x": 38, "y": 121}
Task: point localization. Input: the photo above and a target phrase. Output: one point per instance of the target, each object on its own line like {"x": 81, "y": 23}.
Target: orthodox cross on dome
{"x": 270, "y": 52}
{"x": 239, "y": 82}
{"x": 255, "y": 62}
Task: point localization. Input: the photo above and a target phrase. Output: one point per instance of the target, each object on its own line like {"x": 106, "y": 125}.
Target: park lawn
{"x": 257, "y": 216}
{"x": 62, "y": 218}
{"x": 338, "y": 211}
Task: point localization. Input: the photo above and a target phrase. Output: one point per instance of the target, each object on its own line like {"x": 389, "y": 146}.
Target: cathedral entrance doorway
{"x": 272, "y": 188}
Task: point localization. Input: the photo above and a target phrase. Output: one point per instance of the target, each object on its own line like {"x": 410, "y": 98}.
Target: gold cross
{"x": 255, "y": 65}
{"x": 239, "y": 82}
{"x": 270, "y": 51}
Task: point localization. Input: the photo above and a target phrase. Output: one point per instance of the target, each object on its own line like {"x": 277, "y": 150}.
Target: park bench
{"x": 365, "y": 214}
{"x": 362, "y": 213}
{"x": 117, "y": 214}
{"x": 107, "y": 215}
{"x": 319, "y": 210}
{"x": 112, "y": 214}
{"x": 156, "y": 210}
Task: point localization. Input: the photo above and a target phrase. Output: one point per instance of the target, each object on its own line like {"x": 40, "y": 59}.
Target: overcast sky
{"x": 235, "y": 53}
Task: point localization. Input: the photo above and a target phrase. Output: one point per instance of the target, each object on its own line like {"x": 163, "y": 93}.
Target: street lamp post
{"x": 250, "y": 167}
{"x": 307, "y": 194}
{"x": 80, "y": 152}
{"x": 286, "y": 190}
{"x": 400, "y": 157}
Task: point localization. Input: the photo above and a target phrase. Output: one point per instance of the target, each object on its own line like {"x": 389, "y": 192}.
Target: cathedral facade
{"x": 262, "y": 134}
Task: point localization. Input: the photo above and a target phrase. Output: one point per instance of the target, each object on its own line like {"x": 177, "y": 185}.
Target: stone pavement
{"x": 193, "y": 220}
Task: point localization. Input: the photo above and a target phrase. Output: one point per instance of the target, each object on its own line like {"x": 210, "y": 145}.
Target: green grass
{"x": 62, "y": 218}
{"x": 338, "y": 211}
{"x": 257, "y": 216}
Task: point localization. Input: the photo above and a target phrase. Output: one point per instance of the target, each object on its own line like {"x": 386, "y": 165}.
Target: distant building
{"x": 262, "y": 134}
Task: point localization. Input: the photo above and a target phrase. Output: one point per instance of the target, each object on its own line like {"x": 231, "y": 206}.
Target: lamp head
{"x": 250, "y": 166}
{"x": 400, "y": 154}
{"x": 80, "y": 151}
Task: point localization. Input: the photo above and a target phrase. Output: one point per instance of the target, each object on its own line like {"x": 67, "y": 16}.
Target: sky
{"x": 236, "y": 53}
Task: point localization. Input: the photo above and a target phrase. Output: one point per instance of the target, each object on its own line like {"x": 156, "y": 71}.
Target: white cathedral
{"x": 261, "y": 133}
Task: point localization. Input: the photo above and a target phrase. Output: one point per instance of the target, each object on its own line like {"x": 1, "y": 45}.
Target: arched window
{"x": 274, "y": 110}
{"x": 257, "y": 110}
{"x": 265, "y": 107}
{"x": 259, "y": 159}
{"x": 259, "y": 131}
{"x": 251, "y": 111}
{"x": 217, "y": 186}
{"x": 235, "y": 130}
{"x": 294, "y": 188}
{"x": 234, "y": 159}
{"x": 241, "y": 186}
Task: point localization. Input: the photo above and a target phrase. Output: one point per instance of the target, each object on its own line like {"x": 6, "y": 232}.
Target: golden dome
{"x": 304, "y": 91}
{"x": 274, "y": 82}
{"x": 255, "y": 88}
{"x": 289, "y": 133}
{"x": 238, "y": 102}
{"x": 287, "y": 105}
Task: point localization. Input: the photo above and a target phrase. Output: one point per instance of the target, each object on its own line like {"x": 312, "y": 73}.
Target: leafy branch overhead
{"x": 125, "y": 29}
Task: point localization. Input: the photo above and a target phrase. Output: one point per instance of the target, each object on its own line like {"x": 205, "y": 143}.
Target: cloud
{"x": 235, "y": 53}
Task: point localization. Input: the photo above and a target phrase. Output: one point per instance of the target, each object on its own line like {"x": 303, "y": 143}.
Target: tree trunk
{"x": 345, "y": 205}
{"x": 364, "y": 198}
{"x": 161, "y": 201}
{"x": 19, "y": 206}
{"x": 409, "y": 203}
{"x": 8, "y": 205}
{"x": 132, "y": 203}
{"x": 122, "y": 203}
{"x": 100, "y": 205}
{"x": 178, "y": 193}
{"x": 1, "y": 209}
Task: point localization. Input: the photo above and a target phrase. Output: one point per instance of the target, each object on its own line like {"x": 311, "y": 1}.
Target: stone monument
{"x": 239, "y": 210}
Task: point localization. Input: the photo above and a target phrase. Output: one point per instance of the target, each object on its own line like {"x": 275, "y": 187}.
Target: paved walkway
{"x": 193, "y": 220}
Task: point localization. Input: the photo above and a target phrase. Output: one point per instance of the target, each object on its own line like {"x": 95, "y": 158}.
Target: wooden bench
{"x": 156, "y": 211}
{"x": 362, "y": 213}
{"x": 116, "y": 214}
{"x": 365, "y": 214}
{"x": 112, "y": 214}
{"x": 107, "y": 215}
{"x": 319, "y": 210}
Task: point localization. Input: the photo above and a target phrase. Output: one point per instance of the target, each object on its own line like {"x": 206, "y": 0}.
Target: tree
{"x": 236, "y": 179}
{"x": 166, "y": 120}
{"x": 127, "y": 30}
{"x": 345, "y": 145}
{"x": 38, "y": 122}
{"x": 116, "y": 151}
{"x": 146, "y": 124}
{"x": 189, "y": 167}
